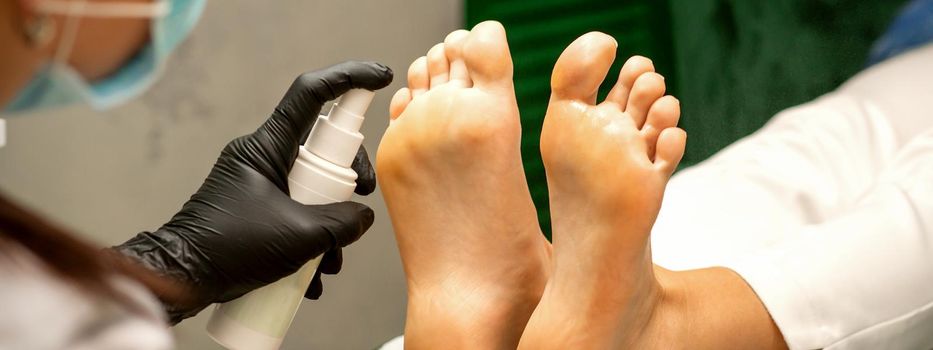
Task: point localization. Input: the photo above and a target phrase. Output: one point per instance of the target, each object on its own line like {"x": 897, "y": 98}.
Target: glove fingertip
{"x": 366, "y": 176}
{"x": 346, "y": 222}
{"x": 366, "y": 218}
{"x": 387, "y": 74}
{"x": 332, "y": 262}
{"x": 368, "y": 74}
{"x": 316, "y": 288}
{"x": 365, "y": 188}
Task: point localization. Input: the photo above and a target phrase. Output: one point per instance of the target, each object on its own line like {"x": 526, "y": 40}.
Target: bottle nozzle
{"x": 336, "y": 137}
{"x": 347, "y": 113}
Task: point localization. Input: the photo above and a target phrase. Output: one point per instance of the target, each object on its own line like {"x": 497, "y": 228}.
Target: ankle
{"x": 610, "y": 318}
{"x": 667, "y": 324}
{"x": 465, "y": 321}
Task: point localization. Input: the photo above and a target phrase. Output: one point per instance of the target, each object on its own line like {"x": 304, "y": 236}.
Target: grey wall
{"x": 110, "y": 175}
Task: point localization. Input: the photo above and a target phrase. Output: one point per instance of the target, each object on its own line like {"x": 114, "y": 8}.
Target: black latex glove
{"x": 241, "y": 231}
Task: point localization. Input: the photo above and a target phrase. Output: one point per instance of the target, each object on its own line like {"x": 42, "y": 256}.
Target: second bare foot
{"x": 607, "y": 165}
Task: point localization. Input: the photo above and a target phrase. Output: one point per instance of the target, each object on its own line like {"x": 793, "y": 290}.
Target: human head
{"x": 110, "y": 49}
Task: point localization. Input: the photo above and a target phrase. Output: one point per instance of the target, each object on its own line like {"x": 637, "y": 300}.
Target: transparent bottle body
{"x": 321, "y": 174}
{"x": 260, "y": 319}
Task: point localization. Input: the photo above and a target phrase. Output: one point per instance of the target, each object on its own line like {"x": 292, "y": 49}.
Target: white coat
{"x": 40, "y": 311}
{"x": 827, "y": 212}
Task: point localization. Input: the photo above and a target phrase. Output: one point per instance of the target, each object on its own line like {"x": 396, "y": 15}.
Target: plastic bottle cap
{"x": 348, "y": 112}
{"x": 336, "y": 137}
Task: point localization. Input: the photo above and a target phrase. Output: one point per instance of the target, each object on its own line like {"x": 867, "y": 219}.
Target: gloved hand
{"x": 241, "y": 231}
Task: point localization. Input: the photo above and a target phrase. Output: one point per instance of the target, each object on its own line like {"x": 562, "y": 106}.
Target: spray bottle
{"x": 321, "y": 174}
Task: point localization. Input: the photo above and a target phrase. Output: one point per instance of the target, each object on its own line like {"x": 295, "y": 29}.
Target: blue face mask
{"x": 58, "y": 84}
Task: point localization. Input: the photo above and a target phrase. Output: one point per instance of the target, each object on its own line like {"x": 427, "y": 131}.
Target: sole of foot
{"x": 607, "y": 166}
{"x": 450, "y": 170}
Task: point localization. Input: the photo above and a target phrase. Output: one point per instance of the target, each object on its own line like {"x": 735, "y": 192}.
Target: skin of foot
{"x": 450, "y": 170}
{"x": 607, "y": 166}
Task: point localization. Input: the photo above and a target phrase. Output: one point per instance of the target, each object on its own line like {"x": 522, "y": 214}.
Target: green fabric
{"x": 732, "y": 63}
{"x": 739, "y": 62}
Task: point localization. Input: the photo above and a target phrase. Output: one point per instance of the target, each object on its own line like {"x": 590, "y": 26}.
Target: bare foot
{"x": 607, "y": 165}
{"x": 451, "y": 173}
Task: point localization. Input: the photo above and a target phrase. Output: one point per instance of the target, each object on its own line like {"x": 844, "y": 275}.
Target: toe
{"x": 631, "y": 70}
{"x": 670, "y": 149}
{"x": 399, "y": 101}
{"x": 453, "y": 48}
{"x": 663, "y": 114}
{"x": 648, "y": 87}
{"x": 582, "y": 67}
{"x": 418, "y": 76}
{"x": 438, "y": 67}
{"x": 486, "y": 53}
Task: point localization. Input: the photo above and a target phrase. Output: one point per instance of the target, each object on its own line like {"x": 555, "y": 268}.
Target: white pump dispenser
{"x": 321, "y": 174}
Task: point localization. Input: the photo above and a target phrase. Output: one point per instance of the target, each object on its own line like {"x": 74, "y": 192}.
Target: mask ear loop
{"x": 69, "y": 31}
{"x": 74, "y": 10}
{"x": 158, "y": 8}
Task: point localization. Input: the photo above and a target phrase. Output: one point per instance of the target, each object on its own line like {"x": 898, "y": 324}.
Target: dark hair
{"x": 88, "y": 267}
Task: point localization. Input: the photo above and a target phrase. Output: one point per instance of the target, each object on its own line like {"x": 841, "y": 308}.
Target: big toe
{"x": 486, "y": 53}
{"x": 582, "y": 67}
